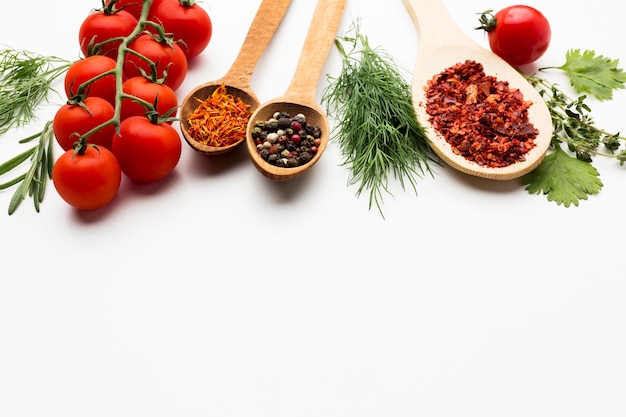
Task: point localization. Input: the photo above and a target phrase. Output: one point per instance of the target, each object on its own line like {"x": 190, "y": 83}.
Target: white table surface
{"x": 220, "y": 293}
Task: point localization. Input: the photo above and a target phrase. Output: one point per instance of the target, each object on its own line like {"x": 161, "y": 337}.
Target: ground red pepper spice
{"x": 220, "y": 120}
{"x": 483, "y": 119}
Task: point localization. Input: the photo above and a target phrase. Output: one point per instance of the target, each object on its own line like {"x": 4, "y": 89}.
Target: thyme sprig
{"x": 573, "y": 124}
{"x": 25, "y": 81}
{"x": 376, "y": 127}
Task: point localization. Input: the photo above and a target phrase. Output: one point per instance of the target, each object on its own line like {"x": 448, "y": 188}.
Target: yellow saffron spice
{"x": 220, "y": 120}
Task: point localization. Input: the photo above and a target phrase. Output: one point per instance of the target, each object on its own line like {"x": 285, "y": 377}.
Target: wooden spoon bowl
{"x": 201, "y": 93}
{"x": 443, "y": 45}
{"x": 237, "y": 80}
{"x": 314, "y": 117}
{"x": 300, "y": 97}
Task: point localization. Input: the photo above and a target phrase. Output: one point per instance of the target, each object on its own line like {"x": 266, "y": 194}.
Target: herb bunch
{"x": 376, "y": 127}
{"x": 25, "y": 81}
{"x": 568, "y": 177}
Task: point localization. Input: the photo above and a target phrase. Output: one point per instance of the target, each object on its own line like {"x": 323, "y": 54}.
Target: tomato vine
{"x": 25, "y": 82}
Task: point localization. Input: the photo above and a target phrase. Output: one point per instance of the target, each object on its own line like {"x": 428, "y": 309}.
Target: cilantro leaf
{"x": 593, "y": 74}
{"x": 563, "y": 178}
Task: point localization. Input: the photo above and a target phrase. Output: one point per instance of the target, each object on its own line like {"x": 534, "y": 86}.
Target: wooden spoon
{"x": 237, "y": 80}
{"x": 442, "y": 44}
{"x": 300, "y": 97}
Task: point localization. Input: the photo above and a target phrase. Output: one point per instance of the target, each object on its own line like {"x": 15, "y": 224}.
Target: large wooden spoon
{"x": 237, "y": 80}
{"x": 442, "y": 44}
{"x": 300, "y": 96}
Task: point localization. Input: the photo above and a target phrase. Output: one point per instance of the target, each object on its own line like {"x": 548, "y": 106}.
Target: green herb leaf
{"x": 593, "y": 74}
{"x": 16, "y": 160}
{"x": 12, "y": 182}
{"x": 564, "y": 179}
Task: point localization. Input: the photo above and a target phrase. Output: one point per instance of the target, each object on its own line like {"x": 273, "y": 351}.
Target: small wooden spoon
{"x": 300, "y": 96}
{"x": 237, "y": 79}
{"x": 442, "y": 44}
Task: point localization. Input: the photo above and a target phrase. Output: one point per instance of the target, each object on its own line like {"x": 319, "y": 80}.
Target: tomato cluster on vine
{"x": 121, "y": 96}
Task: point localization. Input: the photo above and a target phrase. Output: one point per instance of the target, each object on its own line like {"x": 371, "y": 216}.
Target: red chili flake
{"x": 482, "y": 119}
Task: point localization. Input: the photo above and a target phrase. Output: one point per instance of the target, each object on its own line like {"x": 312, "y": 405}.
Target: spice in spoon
{"x": 481, "y": 117}
{"x": 220, "y": 120}
{"x": 286, "y": 141}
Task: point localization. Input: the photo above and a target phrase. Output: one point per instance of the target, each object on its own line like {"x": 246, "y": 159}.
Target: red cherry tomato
{"x": 85, "y": 70}
{"x": 75, "y": 119}
{"x": 518, "y": 34}
{"x": 148, "y": 91}
{"x": 146, "y": 151}
{"x": 169, "y": 58}
{"x": 102, "y": 25}
{"x": 187, "y": 20}
{"x": 87, "y": 180}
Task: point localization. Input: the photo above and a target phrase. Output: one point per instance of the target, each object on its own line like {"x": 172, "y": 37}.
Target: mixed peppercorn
{"x": 286, "y": 141}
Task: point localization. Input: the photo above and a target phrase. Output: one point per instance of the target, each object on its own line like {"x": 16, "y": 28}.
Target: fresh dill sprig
{"x": 32, "y": 182}
{"x": 25, "y": 81}
{"x": 375, "y": 123}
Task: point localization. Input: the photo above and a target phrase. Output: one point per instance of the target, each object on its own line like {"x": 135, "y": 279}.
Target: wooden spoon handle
{"x": 265, "y": 23}
{"x": 319, "y": 39}
{"x": 435, "y": 26}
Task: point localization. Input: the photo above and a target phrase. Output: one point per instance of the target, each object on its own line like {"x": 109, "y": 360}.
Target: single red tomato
{"x": 88, "y": 179}
{"x": 187, "y": 20}
{"x": 518, "y": 34}
{"x": 101, "y": 26}
{"x": 150, "y": 92}
{"x": 146, "y": 151}
{"x": 169, "y": 58}
{"x": 87, "y": 69}
{"x": 74, "y": 119}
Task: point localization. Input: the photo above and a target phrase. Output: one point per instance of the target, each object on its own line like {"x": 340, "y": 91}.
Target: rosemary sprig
{"x": 33, "y": 182}
{"x": 25, "y": 80}
{"x": 376, "y": 126}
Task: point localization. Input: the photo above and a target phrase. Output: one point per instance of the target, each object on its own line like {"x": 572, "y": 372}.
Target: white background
{"x": 220, "y": 293}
